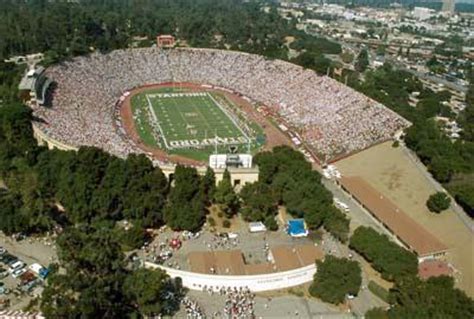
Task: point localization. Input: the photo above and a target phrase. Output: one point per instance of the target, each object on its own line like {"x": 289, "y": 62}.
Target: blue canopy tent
{"x": 297, "y": 228}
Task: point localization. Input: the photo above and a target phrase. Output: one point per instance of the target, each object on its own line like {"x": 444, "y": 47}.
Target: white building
{"x": 421, "y": 13}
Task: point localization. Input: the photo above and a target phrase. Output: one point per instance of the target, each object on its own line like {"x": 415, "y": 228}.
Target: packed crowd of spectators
{"x": 331, "y": 118}
{"x": 192, "y": 308}
{"x": 239, "y": 303}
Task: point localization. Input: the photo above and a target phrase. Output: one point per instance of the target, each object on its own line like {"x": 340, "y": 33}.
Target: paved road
{"x": 358, "y": 215}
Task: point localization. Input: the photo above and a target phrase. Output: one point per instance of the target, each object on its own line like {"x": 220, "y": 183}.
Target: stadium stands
{"x": 331, "y": 118}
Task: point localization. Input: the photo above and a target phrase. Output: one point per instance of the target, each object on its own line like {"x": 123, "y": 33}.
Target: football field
{"x": 192, "y": 120}
{"x": 182, "y": 122}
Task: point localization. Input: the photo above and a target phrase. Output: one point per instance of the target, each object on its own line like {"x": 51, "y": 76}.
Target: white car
{"x": 326, "y": 174}
{"x": 233, "y": 235}
{"x": 17, "y": 265}
{"x": 17, "y": 273}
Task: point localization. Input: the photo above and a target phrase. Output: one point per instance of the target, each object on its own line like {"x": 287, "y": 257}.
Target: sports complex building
{"x": 205, "y": 107}
{"x": 170, "y": 103}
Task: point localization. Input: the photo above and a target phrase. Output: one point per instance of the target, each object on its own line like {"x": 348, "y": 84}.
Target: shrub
{"x": 438, "y": 202}
{"x": 376, "y": 313}
{"x": 132, "y": 238}
{"x": 378, "y": 290}
{"x": 392, "y": 261}
{"x": 211, "y": 221}
{"x": 226, "y": 223}
{"x": 270, "y": 223}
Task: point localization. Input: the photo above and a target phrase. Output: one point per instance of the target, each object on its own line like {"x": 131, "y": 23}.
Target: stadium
{"x": 180, "y": 105}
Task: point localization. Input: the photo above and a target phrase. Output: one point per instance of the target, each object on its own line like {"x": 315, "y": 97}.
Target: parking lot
{"x": 23, "y": 268}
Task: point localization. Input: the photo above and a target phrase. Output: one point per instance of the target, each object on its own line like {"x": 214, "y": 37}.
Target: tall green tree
{"x": 186, "y": 207}
{"x": 94, "y": 281}
{"x": 362, "y": 61}
{"x": 90, "y": 284}
{"x": 154, "y": 292}
{"x": 434, "y": 298}
{"x": 208, "y": 185}
{"x": 145, "y": 191}
{"x": 226, "y": 197}
{"x": 335, "y": 279}
{"x": 286, "y": 178}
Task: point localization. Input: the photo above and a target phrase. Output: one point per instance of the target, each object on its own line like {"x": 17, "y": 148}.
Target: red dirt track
{"x": 274, "y": 136}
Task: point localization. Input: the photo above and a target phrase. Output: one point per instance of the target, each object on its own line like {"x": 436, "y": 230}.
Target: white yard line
{"x": 153, "y": 114}
{"x": 229, "y": 116}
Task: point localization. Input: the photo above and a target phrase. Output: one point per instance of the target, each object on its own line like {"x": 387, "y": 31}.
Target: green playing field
{"x": 183, "y": 122}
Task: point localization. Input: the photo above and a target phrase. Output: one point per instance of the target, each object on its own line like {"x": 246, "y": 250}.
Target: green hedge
{"x": 378, "y": 290}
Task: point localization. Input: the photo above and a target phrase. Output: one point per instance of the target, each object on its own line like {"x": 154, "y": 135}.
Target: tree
{"x": 314, "y": 61}
{"x": 385, "y": 256}
{"x": 16, "y": 135}
{"x": 90, "y": 284}
{"x": 438, "y": 202}
{"x": 144, "y": 192}
{"x": 362, "y": 61}
{"x": 226, "y": 197}
{"x": 286, "y": 178}
{"x": 11, "y": 219}
{"x": 464, "y": 194}
{"x": 153, "y": 292}
{"x": 376, "y": 313}
{"x": 466, "y": 117}
{"x": 208, "y": 185}
{"x": 257, "y": 202}
{"x": 434, "y": 298}
{"x": 94, "y": 282}
{"x": 132, "y": 238}
{"x": 335, "y": 279}
{"x": 347, "y": 57}
{"x": 185, "y": 209}
{"x": 337, "y": 224}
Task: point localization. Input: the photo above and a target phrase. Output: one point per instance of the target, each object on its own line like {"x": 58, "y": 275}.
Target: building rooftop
{"x": 434, "y": 268}
{"x": 29, "y": 79}
{"x": 397, "y": 221}
{"x": 231, "y": 262}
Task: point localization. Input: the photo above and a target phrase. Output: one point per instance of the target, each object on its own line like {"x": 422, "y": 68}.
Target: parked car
{"x": 3, "y": 273}
{"x": 18, "y": 272}
{"x": 3, "y": 290}
{"x": 17, "y": 265}
{"x": 39, "y": 270}
{"x": 29, "y": 285}
{"x": 8, "y": 259}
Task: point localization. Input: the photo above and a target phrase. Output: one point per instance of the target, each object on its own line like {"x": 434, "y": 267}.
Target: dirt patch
{"x": 235, "y": 222}
{"x": 274, "y": 136}
{"x": 391, "y": 171}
